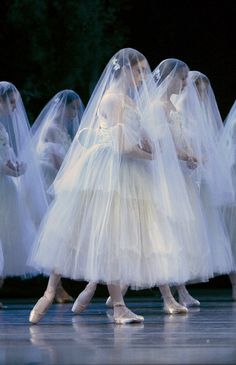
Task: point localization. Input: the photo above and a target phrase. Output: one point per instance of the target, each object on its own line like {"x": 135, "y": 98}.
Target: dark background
{"x": 50, "y": 45}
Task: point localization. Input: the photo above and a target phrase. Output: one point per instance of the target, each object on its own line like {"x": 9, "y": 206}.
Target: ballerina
{"x": 110, "y": 219}
{"x": 209, "y": 183}
{"x": 53, "y": 132}
{"x": 23, "y": 200}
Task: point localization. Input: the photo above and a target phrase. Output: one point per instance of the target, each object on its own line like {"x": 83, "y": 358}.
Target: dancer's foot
{"x": 84, "y": 298}
{"x": 123, "y": 315}
{"x": 62, "y": 296}
{"x": 41, "y": 307}
{"x": 188, "y": 301}
{"x": 173, "y": 307}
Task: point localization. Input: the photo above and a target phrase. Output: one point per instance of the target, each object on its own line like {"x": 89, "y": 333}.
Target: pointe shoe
{"x": 123, "y": 315}
{"x": 174, "y": 307}
{"x": 84, "y": 299}
{"x": 188, "y": 301}
{"x": 62, "y": 296}
{"x": 40, "y": 309}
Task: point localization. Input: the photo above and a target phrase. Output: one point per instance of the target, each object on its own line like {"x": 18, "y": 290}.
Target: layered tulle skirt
{"x": 208, "y": 248}
{"x": 105, "y": 225}
{"x": 17, "y": 231}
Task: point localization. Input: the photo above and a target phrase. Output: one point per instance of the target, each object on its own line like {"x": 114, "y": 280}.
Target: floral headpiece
{"x": 116, "y": 65}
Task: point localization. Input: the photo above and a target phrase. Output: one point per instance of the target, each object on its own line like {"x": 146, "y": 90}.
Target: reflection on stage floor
{"x": 206, "y": 335}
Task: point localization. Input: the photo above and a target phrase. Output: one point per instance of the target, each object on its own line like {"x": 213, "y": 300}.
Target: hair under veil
{"x": 113, "y": 195}
{"x": 208, "y": 100}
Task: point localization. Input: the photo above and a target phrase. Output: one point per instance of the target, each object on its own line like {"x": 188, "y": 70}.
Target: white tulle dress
{"x": 208, "y": 244}
{"x": 124, "y": 240}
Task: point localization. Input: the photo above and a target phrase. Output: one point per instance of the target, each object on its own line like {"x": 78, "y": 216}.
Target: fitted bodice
{"x": 129, "y": 121}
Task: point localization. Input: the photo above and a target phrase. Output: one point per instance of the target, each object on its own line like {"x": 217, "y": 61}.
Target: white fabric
{"x": 23, "y": 202}
{"x": 54, "y": 130}
{"x": 116, "y": 207}
{"x": 228, "y": 143}
{"x": 206, "y": 240}
{"x": 199, "y": 106}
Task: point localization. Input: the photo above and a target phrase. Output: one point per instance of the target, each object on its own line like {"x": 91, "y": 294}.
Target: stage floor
{"x": 206, "y": 335}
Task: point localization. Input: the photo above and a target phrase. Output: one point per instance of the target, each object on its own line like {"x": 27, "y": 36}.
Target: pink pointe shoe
{"x": 40, "y": 308}
{"x": 84, "y": 298}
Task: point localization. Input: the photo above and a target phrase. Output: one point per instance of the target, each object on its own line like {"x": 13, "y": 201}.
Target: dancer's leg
{"x": 185, "y": 298}
{"x": 124, "y": 290}
{"x": 62, "y": 296}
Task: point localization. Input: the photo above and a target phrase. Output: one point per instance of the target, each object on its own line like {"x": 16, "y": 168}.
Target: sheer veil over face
{"x": 208, "y": 101}
{"x": 170, "y": 77}
{"x": 64, "y": 110}
{"x": 54, "y": 130}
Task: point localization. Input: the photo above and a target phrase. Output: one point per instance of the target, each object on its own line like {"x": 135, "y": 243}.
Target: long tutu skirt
{"x": 110, "y": 236}
{"x": 17, "y": 230}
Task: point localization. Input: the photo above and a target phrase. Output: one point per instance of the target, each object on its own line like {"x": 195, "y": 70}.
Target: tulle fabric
{"x": 199, "y": 106}
{"x": 206, "y": 239}
{"x": 23, "y": 201}
{"x": 222, "y": 187}
{"x": 217, "y": 189}
{"x": 115, "y": 211}
{"x": 54, "y": 130}
{"x": 228, "y": 143}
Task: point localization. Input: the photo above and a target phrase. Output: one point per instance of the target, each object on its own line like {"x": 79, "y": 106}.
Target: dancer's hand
{"x": 192, "y": 162}
{"x": 21, "y": 168}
